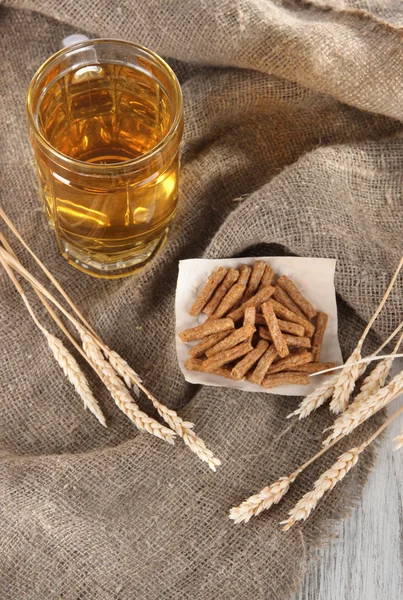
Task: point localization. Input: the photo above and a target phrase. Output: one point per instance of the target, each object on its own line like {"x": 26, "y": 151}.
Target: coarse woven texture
{"x": 292, "y": 144}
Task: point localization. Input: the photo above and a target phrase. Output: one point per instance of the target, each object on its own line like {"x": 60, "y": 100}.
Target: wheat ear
{"x": 327, "y": 481}
{"x": 377, "y": 378}
{"x": 330, "y": 478}
{"x": 316, "y": 399}
{"x": 63, "y": 357}
{"x": 182, "y": 428}
{"x": 359, "y": 412}
{"x": 319, "y": 396}
{"x": 271, "y": 494}
{"x": 119, "y": 392}
{"x": 346, "y": 382}
{"x": 350, "y": 373}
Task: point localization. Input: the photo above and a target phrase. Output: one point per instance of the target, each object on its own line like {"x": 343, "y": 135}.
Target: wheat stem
{"x": 182, "y": 428}
{"x": 64, "y": 358}
{"x": 119, "y": 392}
{"x": 175, "y": 422}
{"x": 271, "y": 494}
{"x": 315, "y": 399}
{"x": 331, "y": 477}
{"x": 53, "y": 279}
{"x": 360, "y": 411}
{"x": 351, "y": 372}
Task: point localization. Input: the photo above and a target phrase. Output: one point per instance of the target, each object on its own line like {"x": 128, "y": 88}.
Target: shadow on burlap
{"x": 292, "y": 143}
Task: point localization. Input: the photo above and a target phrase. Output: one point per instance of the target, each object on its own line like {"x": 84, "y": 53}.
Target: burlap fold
{"x": 292, "y": 144}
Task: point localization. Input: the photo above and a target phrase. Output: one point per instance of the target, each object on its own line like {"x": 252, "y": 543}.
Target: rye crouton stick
{"x": 285, "y": 379}
{"x": 254, "y": 279}
{"x": 263, "y": 365}
{"x": 281, "y": 296}
{"x": 218, "y": 360}
{"x": 256, "y": 300}
{"x": 195, "y": 364}
{"x": 229, "y": 280}
{"x": 244, "y": 274}
{"x": 287, "y": 363}
{"x": 288, "y": 315}
{"x": 207, "y": 328}
{"x": 212, "y": 283}
{"x": 233, "y": 296}
{"x": 235, "y": 338}
{"x": 292, "y": 341}
{"x": 249, "y": 360}
{"x": 207, "y": 343}
{"x": 267, "y": 277}
{"x": 285, "y": 326}
{"x": 317, "y": 339}
{"x": 292, "y": 290}
{"x": 313, "y": 367}
{"x": 249, "y": 317}
{"x": 275, "y": 332}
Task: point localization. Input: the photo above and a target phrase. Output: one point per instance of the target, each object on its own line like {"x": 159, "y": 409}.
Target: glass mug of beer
{"x": 106, "y": 120}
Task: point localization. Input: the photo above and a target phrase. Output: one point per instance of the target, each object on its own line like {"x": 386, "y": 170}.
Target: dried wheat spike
{"x": 74, "y": 374}
{"x": 346, "y": 382}
{"x": 269, "y": 495}
{"x": 175, "y": 422}
{"x": 327, "y": 481}
{"x": 124, "y": 370}
{"x": 360, "y": 411}
{"x": 374, "y": 381}
{"x": 316, "y": 399}
{"x": 120, "y": 393}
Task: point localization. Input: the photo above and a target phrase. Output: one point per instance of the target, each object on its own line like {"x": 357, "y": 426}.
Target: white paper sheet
{"x": 313, "y": 276}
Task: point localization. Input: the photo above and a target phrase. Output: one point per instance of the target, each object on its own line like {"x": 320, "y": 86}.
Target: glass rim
{"x": 123, "y": 165}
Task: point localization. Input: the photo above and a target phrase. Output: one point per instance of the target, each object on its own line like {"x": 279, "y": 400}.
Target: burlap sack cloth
{"x": 291, "y": 144}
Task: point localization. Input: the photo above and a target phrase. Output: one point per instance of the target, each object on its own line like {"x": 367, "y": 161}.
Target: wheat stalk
{"x": 63, "y": 357}
{"x": 331, "y": 477}
{"x": 326, "y": 482}
{"x": 119, "y": 392}
{"x": 48, "y": 274}
{"x": 269, "y": 495}
{"x": 182, "y": 428}
{"x": 124, "y": 370}
{"x": 373, "y": 382}
{"x": 377, "y": 378}
{"x": 316, "y": 399}
{"x": 360, "y": 411}
{"x": 319, "y": 396}
{"x": 346, "y": 382}
{"x": 350, "y": 373}
{"x": 74, "y": 374}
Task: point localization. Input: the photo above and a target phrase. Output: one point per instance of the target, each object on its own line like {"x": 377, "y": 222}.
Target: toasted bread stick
{"x": 287, "y": 363}
{"x": 207, "y": 328}
{"x": 286, "y": 378}
{"x": 317, "y": 340}
{"x": 229, "y": 280}
{"x": 275, "y": 332}
{"x": 249, "y": 360}
{"x": 212, "y": 283}
{"x": 294, "y": 293}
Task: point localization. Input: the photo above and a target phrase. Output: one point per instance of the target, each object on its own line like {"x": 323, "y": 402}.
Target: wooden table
{"x": 366, "y": 561}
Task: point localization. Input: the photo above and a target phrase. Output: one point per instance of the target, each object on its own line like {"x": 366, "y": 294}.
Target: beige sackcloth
{"x": 292, "y": 144}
